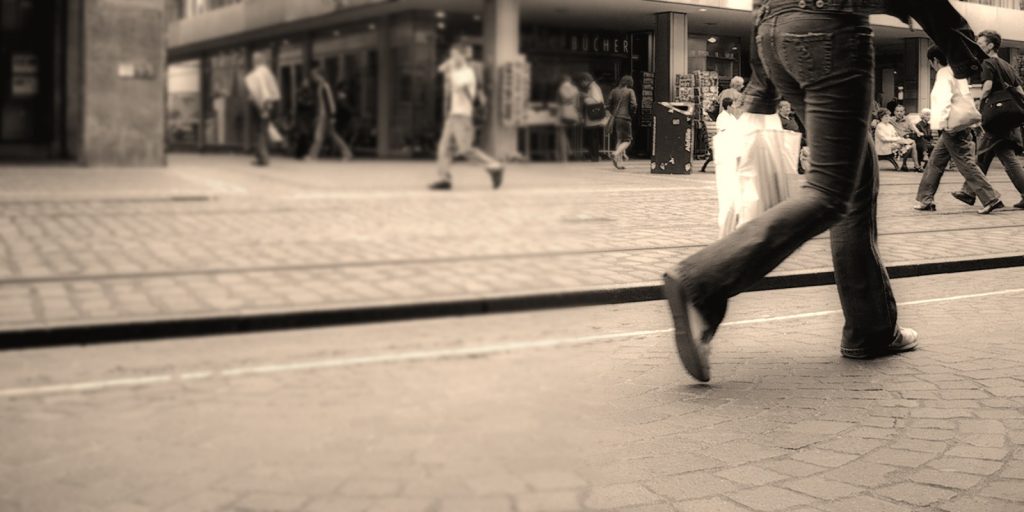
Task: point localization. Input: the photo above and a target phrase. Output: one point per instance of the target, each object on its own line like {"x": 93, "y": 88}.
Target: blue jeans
{"x": 824, "y": 65}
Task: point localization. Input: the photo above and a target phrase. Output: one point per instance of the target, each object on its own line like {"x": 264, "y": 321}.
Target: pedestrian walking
{"x": 820, "y": 57}
{"x": 326, "y": 116}
{"x": 622, "y": 104}
{"x": 305, "y": 118}
{"x": 595, "y": 115}
{"x": 568, "y": 117}
{"x": 458, "y": 134}
{"x": 264, "y": 95}
{"x": 997, "y": 75}
{"x": 951, "y": 146}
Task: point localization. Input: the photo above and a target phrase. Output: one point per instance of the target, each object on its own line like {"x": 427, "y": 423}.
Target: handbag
{"x": 754, "y": 160}
{"x": 1002, "y": 112}
{"x": 594, "y": 111}
{"x": 962, "y": 112}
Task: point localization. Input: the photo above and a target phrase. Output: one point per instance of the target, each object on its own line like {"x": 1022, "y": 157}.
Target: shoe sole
{"x": 887, "y": 351}
{"x": 687, "y": 347}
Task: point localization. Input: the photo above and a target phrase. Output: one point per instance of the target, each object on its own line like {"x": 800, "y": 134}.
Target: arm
{"x": 986, "y": 90}
{"x": 947, "y": 28}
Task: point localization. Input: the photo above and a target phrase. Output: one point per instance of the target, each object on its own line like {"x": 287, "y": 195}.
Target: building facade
{"x": 120, "y": 81}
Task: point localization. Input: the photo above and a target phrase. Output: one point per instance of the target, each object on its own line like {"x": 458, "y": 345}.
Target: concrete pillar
{"x": 385, "y": 89}
{"x": 923, "y": 70}
{"x": 124, "y": 83}
{"x": 671, "y": 52}
{"x": 916, "y": 73}
{"x": 501, "y": 46}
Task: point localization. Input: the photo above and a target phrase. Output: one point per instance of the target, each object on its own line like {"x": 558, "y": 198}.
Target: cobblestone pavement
{"x": 210, "y": 235}
{"x": 577, "y": 409}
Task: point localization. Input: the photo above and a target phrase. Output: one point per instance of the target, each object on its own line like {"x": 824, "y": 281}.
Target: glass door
{"x": 28, "y": 36}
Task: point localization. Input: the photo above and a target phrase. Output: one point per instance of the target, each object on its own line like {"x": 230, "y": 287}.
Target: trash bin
{"x": 673, "y": 138}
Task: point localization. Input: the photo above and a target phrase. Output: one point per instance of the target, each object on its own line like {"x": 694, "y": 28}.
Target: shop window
{"x": 226, "y": 101}
{"x": 183, "y": 103}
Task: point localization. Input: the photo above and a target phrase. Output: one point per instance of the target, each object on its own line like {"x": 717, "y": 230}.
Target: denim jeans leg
{"x": 984, "y": 162}
{"x": 937, "y": 163}
{"x": 824, "y": 67}
{"x": 1013, "y": 168}
{"x": 444, "y": 153}
{"x": 863, "y": 282}
{"x": 960, "y": 150}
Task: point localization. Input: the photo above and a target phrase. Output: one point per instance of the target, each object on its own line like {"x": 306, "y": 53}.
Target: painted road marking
{"x": 419, "y": 355}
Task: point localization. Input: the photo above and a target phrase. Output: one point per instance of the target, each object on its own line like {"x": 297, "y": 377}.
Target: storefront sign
{"x": 23, "y": 86}
{"x": 24, "y": 64}
{"x": 586, "y": 43}
{"x": 135, "y": 71}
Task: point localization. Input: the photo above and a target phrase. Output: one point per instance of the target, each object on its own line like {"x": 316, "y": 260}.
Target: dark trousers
{"x": 593, "y": 137}
{"x": 824, "y": 65}
{"x": 262, "y": 147}
{"x": 1006, "y": 154}
{"x": 958, "y": 148}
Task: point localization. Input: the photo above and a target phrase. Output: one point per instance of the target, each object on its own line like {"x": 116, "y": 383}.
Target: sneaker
{"x": 441, "y": 185}
{"x": 991, "y": 207}
{"x": 964, "y": 197}
{"x": 692, "y": 335}
{"x": 496, "y": 176}
{"x": 1020, "y": 205}
{"x": 925, "y": 207}
{"x": 906, "y": 340}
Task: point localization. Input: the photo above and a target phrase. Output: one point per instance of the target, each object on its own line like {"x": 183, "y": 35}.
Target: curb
{"x": 237, "y": 324}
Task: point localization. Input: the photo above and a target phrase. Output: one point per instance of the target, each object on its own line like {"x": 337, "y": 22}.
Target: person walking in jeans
{"x": 997, "y": 75}
{"x": 621, "y": 104}
{"x": 955, "y": 146}
{"x": 820, "y": 57}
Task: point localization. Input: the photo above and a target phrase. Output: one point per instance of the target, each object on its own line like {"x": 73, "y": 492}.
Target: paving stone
{"x": 476, "y": 504}
{"x": 975, "y": 452}
{"x": 975, "y": 504}
{"x": 916, "y": 494}
{"x": 709, "y": 505}
{"x": 822, "y": 488}
{"x": 553, "y": 480}
{"x": 972, "y": 466}
{"x": 863, "y": 503}
{"x": 751, "y": 475}
{"x": 619, "y": 496}
{"x": 947, "y": 479}
{"x": 771, "y": 498}
{"x": 895, "y": 457}
{"x": 554, "y": 501}
{"x": 271, "y": 502}
{"x": 825, "y": 458}
{"x": 1010, "y": 490}
{"x": 690, "y": 486}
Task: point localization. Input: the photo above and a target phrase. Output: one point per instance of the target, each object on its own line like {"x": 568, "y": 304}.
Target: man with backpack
{"x": 997, "y": 75}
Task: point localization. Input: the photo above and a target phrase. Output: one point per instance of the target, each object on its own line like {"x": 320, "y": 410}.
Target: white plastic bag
{"x": 754, "y": 161}
{"x": 274, "y": 134}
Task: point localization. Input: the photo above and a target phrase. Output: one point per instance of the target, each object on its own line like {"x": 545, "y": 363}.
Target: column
{"x": 385, "y": 91}
{"x": 501, "y": 46}
{"x": 917, "y": 55}
{"x": 670, "y": 52}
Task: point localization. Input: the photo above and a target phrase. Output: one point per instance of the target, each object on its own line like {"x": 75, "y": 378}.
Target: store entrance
{"x": 29, "y": 71}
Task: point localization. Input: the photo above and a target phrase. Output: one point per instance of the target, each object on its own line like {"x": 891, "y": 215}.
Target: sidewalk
{"x": 213, "y": 238}
{"x": 603, "y": 418}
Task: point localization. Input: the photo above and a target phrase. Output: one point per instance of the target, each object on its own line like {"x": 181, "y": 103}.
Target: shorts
{"x": 623, "y": 130}
{"x": 458, "y": 134}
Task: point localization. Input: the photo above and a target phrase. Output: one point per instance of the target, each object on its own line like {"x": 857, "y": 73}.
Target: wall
{"x": 123, "y": 117}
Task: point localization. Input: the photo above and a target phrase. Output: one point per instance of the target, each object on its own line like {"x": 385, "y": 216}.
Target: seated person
{"x": 926, "y": 143}
{"x": 791, "y": 123}
{"x": 888, "y": 143}
{"x": 907, "y": 130}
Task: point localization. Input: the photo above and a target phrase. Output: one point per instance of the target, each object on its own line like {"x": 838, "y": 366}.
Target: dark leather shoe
{"x": 925, "y": 207}
{"x": 692, "y": 334}
{"x": 991, "y": 207}
{"x": 906, "y": 340}
{"x": 441, "y": 185}
{"x": 964, "y": 197}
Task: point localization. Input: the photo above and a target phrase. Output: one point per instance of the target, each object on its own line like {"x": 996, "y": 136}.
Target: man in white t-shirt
{"x": 951, "y": 146}
{"x": 729, "y": 115}
{"x": 458, "y": 134}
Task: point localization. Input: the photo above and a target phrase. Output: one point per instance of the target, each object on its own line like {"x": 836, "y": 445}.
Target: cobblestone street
{"x": 573, "y": 409}
{"x": 212, "y": 236}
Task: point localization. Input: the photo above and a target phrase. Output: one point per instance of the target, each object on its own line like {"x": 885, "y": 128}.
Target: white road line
{"x": 419, "y": 355}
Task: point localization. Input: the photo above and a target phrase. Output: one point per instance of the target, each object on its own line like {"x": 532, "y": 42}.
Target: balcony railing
{"x": 1006, "y": 4}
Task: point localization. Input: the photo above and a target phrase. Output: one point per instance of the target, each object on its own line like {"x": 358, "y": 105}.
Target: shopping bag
{"x": 754, "y": 163}
{"x": 962, "y": 112}
{"x": 274, "y": 134}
